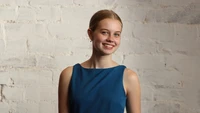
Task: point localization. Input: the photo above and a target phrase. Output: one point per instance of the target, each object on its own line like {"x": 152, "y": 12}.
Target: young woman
{"x": 100, "y": 85}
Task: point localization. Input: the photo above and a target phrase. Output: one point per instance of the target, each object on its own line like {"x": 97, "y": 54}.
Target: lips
{"x": 108, "y": 46}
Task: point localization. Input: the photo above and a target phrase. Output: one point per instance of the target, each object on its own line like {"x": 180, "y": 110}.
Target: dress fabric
{"x": 97, "y": 90}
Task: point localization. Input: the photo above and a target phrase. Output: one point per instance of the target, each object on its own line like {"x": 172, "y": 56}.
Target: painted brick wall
{"x": 39, "y": 38}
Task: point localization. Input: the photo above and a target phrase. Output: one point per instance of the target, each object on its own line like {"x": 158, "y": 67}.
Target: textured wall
{"x": 160, "y": 41}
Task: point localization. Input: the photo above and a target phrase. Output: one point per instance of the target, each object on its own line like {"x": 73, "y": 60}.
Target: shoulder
{"x": 66, "y": 74}
{"x": 133, "y": 91}
{"x": 67, "y": 70}
{"x": 130, "y": 75}
{"x": 131, "y": 79}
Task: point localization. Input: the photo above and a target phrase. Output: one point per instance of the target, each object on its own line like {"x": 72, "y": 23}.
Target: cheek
{"x": 99, "y": 38}
{"x": 118, "y": 41}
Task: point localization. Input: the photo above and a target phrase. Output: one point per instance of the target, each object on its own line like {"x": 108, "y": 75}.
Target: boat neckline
{"x": 98, "y": 68}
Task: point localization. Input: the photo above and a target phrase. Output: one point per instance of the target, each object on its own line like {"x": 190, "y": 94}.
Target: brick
{"x": 176, "y": 3}
{"x": 84, "y": 51}
{"x": 186, "y": 32}
{"x": 27, "y": 108}
{"x": 198, "y": 32}
{"x": 46, "y": 13}
{"x": 5, "y": 78}
{"x": 62, "y": 31}
{"x": 26, "y": 14}
{"x": 138, "y": 46}
{"x": 85, "y": 2}
{"x": 188, "y": 66}
{"x": 138, "y": 3}
{"x": 165, "y": 107}
{"x": 47, "y": 107}
{"x": 48, "y": 93}
{"x": 187, "y": 109}
{"x": 81, "y": 43}
{"x": 80, "y": 20}
{"x": 39, "y": 2}
{"x": 6, "y": 2}
{"x": 51, "y": 2}
{"x": 62, "y": 62}
{"x": 146, "y": 106}
{"x": 45, "y": 46}
{"x": 2, "y": 46}
{"x": 168, "y": 94}
{"x": 11, "y": 61}
{"x": 4, "y": 107}
{"x": 180, "y": 46}
{"x": 22, "y": 2}
{"x": 7, "y": 13}
{"x": 165, "y": 15}
{"x": 45, "y": 77}
{"x": 17, "y": 61}
{"x": 32, "y": 93}
{"x": 1, "y": 31}
{"x": 1, "y": 95}
{"x": 136, "y": 14}
{"x": 16, "y": 31}
{"x": 21, "y": 78}
{"x": 13, "y": 47}
{"x": 56, "y": 75}
{"x": 46, "y": 61}
{"x": 117, "y": 56}
{"x": 127, "y": 30}
{"x": 146, "y": 93}
{"x": 13, "y": 93}
{"x": 191, "y": 91}
{"x": 163, "y": 79}
{"x": 144, "y": 61}
{"x": 50, "y": 46}
{"x": 159, "y": 32}
{"x": 63, "y": 46}
{"x": 32, "y": 77}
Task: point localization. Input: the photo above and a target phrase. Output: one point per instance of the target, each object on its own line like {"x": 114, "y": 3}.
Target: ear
{"x": 89, "y": 31}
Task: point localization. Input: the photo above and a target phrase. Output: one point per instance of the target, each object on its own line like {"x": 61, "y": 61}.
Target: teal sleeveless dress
{"x": 97, "y": 90}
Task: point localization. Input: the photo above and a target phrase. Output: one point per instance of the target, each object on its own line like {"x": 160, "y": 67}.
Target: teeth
{"x": 107, "y": 45}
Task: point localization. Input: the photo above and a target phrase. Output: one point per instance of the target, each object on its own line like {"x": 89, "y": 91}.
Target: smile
{"x": 108, "y": 46}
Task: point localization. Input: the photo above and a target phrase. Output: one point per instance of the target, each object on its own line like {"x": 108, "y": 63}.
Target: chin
{"x": 106, "y": 52}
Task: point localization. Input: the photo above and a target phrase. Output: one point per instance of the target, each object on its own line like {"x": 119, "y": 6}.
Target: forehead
{"x": 110, "y": 24}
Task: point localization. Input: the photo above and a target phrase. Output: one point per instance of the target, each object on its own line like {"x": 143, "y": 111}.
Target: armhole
{"x": 123, "y": 84}
{"x": 72, "y": 75}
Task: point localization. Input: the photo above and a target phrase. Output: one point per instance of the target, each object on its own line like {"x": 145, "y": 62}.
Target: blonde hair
{"x": 100, "y": 15}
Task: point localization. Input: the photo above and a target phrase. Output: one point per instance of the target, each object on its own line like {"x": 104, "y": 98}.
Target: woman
{"x": 100, "y": 85}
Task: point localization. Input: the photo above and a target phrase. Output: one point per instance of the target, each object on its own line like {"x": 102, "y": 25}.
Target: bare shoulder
{"x": 67, "y": 70}
{"x": 64, "y": 81}
{"x": 132, "y": 86}
{"x": 66, "y": 73}
{"x": 131, "y": 80}
{"x": 130, "y": 76}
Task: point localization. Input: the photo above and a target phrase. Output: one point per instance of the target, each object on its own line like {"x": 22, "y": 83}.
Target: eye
{"x": 117, "y": 34}
{"x": 104, "y": 32}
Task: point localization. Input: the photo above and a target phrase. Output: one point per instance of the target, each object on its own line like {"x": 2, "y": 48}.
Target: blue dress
{"x": 97, "y": 90}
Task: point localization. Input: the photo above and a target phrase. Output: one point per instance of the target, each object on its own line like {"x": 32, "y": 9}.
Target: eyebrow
{"x": 109, "y": 30}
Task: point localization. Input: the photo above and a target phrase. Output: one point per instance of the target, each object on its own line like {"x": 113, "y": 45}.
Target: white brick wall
{"x": 39, "y": 38}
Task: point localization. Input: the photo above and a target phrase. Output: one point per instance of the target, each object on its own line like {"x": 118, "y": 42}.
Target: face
{"x": 106, "y": 37}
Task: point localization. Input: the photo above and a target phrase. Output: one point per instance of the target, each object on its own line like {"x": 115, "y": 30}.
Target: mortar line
{"x": 4, "y": 35}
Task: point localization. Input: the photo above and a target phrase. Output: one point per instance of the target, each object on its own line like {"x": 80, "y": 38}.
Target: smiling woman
{"x": 100, "y": 85}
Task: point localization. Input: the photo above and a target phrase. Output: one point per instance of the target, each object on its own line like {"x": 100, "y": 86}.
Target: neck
{"x": 100, "y": 61}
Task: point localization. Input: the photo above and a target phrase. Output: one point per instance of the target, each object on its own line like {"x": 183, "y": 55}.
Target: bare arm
{"x": 64, "y": 80}
{"x": 133, "y": 92}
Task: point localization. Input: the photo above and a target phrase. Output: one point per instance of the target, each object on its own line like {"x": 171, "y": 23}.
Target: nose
{"x": 110, "y": 38}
